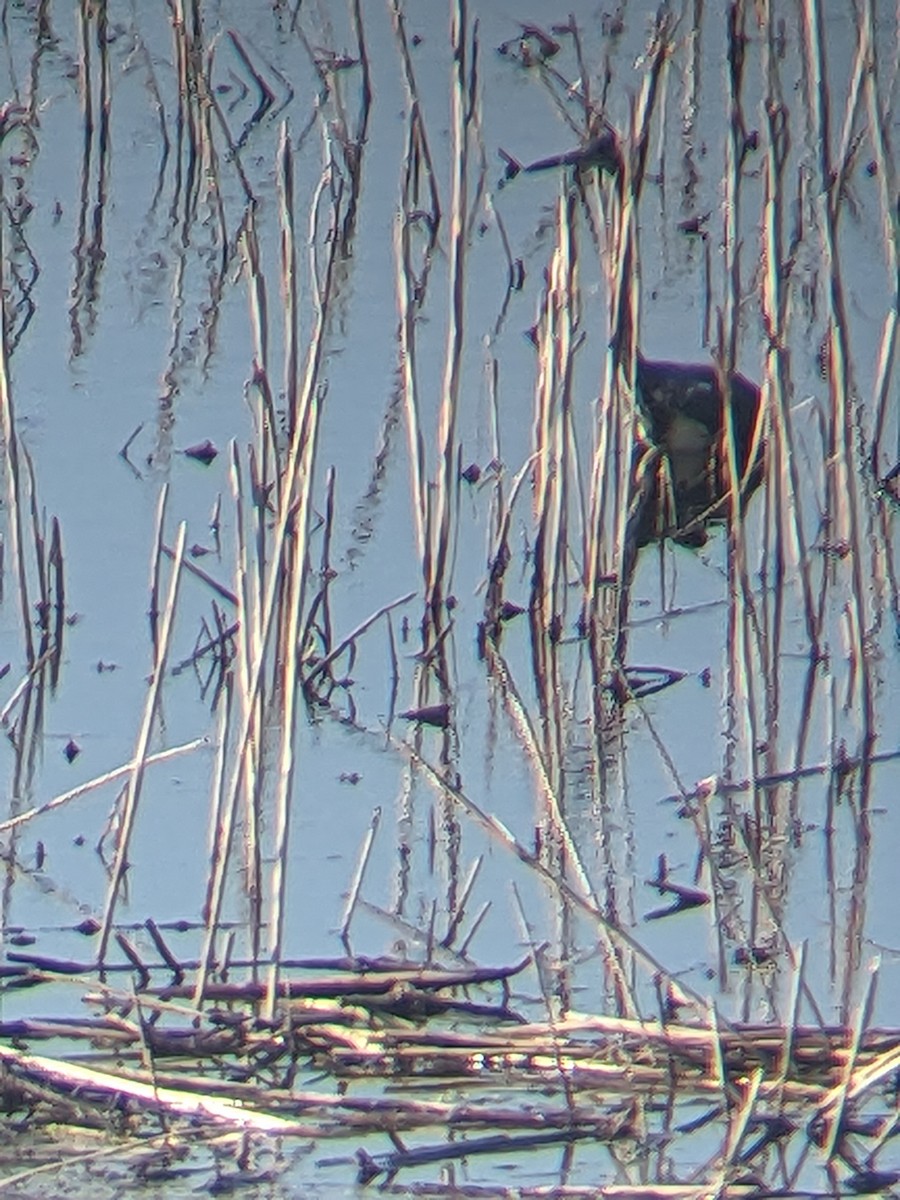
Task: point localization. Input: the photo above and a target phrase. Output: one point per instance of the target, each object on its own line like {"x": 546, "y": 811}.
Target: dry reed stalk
{"x": 57, "y": 593}
{"x": 784, "y": 489}
{"x": 412, "y": 285}
{"x": 619, "y": 938}
{"x": 23, "y": 688}
{"x": 73, "y": 1077}
{"x": 842, "y": 495}
{"x": 139, "y": 766}
{"x": 15, "y": 498}
{"x": 558, "y": 338}
{"x": 604, "y": 553}
{"x": 408, "y": 303}
{"x": 291, "y": 525}
{"x": 221, "y": 817}
{"x": 191, "y": 568}
{"x": 99, "y": 781}
{"x": 290, "y": 283}
{"x": 887, "y": 359}
{"x": 321, "y": 665}
{"x": 458, "y": 914}
{"x": 464, "y": 100}
{"x": 313, "y": 622}
{"x": 739, "y": 684}
{"x": 156, "y": 558}
{"x": 302, "y": 414}
{"x": 878, "y": 126}
{"x": 832, "y": 1112}
{"x": 500, "y": 554}
{"x": 422, "y": 155}
{"x": 518, "y": 714}
{"x": 358, "y": 876}
{"x": 608, "y": 553}
{"x": 263, "y": 467}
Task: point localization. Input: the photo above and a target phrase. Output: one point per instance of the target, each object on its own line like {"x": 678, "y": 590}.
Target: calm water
{"x": 128, "y": 312}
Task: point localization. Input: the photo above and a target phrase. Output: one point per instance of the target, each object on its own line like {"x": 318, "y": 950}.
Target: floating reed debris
{"x": 590, "y": 1078}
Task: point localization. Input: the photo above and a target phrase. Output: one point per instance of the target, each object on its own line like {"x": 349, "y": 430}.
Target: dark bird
{"x": 682, "y": 411}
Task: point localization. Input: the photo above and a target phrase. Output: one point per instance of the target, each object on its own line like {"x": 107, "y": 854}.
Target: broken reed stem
{"x": 358, "y": 876}
{"x": 422, "y": 146}
{"x": 136, "y": 776}
{"x": 322, "y": 664}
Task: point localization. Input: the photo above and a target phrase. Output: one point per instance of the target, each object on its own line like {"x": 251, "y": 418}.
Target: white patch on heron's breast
{"x": 687, "y": 436}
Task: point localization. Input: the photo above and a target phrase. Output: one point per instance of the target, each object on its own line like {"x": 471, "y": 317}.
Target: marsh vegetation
{"x": 449, "y": 609}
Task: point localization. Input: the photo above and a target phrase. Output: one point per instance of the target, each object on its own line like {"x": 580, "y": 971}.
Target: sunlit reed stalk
{"x": 608, "y": 557}
{"x": 222, "y": 817}
{"x": 878, "y": 125}
{"x": 358, "y": 876}
{"x": 573, "y": 865}
{"x": 306, "y": 410}
{"x": 843, "y": 498}
{"x": 464, "y": 99}
{"x": 57, "y": 594}
{"x": 15, "y": 499}
{"x": 563, "y": 1062}
{"x": 887, "y": 358}
{"x": 263, "y": 467}
{"x": 832, "y": 1111}
{"x": 785, "y": 495}
{"x": 619, "y": 937}
{"x": 291, "y": 519}
{"x": 139, "y": 765}
{"x": 23, "y": 689}
{"x": 741, "y": 693}
{"x": 412, "y": 283}
{"x": 558, "y": 338}
{"x": 156, "y": 561}
{"x": 100, "y": 781}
